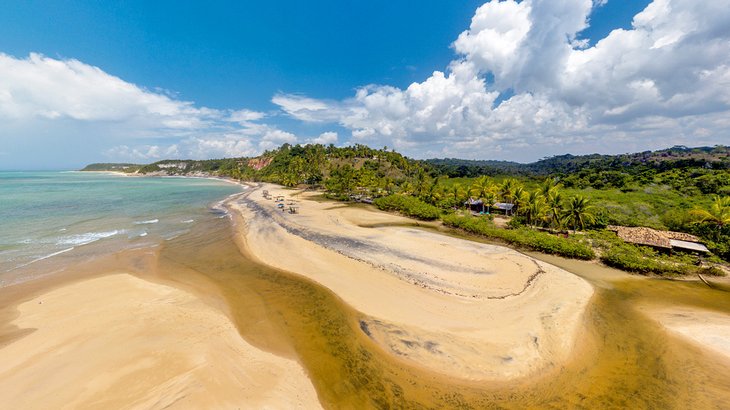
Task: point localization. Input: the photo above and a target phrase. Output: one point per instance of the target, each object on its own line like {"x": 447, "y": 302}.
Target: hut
{"x": 505, "y": 207}
{"x": 475, "y": 205}
{"x": 666, "y": 241}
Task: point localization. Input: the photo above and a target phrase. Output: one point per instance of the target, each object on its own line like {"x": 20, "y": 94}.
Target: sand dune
{"x": 460, "y": 308}
{"x": 121, "y": 342}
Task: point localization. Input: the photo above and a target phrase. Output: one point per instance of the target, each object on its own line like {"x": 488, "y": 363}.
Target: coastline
{"x": 112, "y": 331}
{"x": 425, "y": 298}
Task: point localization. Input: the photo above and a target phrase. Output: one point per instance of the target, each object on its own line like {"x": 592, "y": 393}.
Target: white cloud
{"x": 304, "y": 108}
{"x": 525, "y": 85}
{"x": 46, "y": 88}
{"x": 42, "y": 98}
{"x": 325, "y": 138}
{"x": 245, "y": 116}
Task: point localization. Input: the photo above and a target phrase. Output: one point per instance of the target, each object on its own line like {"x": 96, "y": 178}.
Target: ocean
{"x": 51, "y": 219}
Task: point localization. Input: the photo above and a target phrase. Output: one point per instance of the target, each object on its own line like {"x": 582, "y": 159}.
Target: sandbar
{"x": 456, "y": 307}
{"x": 118, "y": 341}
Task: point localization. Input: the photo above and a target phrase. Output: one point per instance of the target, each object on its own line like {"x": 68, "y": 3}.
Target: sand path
{"x": 460, "y": 308}
{"x": 118, "y": 341}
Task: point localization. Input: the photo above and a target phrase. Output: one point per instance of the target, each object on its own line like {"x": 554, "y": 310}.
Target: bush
{"x": 408, "y": 205}
{"x": 633, "y": 259}
{"x": 523, "y": 237}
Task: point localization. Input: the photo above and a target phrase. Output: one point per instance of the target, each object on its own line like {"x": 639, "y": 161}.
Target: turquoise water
{"x": 53, "y": 216}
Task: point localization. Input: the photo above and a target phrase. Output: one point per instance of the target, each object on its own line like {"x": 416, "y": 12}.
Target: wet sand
{"x": 454, "y": 307}
{"x": 118, "y": 341}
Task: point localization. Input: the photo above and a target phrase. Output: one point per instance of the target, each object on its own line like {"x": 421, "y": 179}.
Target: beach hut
{"x": 475, "y": 205}
{"x": 505, "y": 207}
{"x": 666, "y": 241}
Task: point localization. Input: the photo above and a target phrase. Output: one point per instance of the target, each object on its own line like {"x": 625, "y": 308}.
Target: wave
{"x": 143, "y": 234}
{"x": 45, "y": 257}
{"x": 188, "y": 221}
{"x": 151, "y": 221}
{"x": 85, "y": 238}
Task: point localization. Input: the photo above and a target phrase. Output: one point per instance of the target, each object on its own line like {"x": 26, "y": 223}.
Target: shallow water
{"x": 56, "y": 218}
{"x": 625, "y": 360}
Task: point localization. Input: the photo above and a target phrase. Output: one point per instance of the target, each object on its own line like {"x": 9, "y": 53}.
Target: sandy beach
{"x": 706, "y": 329}
{"x": 117, "y": 341}
{"x": 460, "y": 308}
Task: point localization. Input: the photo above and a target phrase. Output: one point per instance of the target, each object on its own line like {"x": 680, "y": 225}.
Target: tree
{"x": 534, "y": 207}
{"x": 456, "y": 192}
{"x": 578, "y": 213}
{"x": 555, "y": 209}
{"x": 482, "y": 188}
{"x": 718, "y": 214}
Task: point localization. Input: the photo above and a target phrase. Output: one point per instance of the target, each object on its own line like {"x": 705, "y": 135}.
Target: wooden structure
{"x": 662, "y": 240}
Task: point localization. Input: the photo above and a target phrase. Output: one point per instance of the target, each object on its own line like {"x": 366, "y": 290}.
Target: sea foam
{"x": 151, "y": 221}
{"x": 86, "y": 238}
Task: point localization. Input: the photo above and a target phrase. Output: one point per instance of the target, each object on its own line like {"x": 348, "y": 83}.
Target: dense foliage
{"x": 408, "y": 205}
{"x": 523, "y": 237}
{"x": 682, "y": 189}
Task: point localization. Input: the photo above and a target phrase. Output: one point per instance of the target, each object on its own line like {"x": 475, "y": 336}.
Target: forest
{"x": 559, "y": 205}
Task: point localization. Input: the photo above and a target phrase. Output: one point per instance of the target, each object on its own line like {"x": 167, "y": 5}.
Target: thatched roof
{"x": 651, "y": 237}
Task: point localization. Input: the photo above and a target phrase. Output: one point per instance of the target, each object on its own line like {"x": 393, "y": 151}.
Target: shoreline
{"x": 444, "y": 313}
{"x": 110, "y": 331}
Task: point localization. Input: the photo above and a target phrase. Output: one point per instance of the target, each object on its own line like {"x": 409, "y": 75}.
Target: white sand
{"x": 457, "y": 307}
{"x": 121, "y": 342}
{"x": 706, "y": 329}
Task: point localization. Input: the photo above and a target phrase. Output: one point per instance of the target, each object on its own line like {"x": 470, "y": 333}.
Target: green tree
{"x": 534, "y": 207}
{"x": 555, "y": 209}
{"x": 717, "y": 215}
{"x": 578, "y": 213}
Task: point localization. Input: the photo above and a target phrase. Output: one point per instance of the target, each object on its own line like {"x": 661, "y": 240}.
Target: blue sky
{"x": 141, "y": 81}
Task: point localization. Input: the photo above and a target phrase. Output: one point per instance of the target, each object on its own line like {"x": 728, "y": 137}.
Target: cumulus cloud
{"x": 524, "y": 85}
{"x": 325, "y": 138}
{"x": 42, "y": 98}
{"x": 47, "y": 88}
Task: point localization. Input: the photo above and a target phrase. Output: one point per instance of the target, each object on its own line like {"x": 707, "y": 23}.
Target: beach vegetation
{"x": 408, "y": 205}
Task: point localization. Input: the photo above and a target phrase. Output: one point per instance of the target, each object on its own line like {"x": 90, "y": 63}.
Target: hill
{"x": 115, "y": 167}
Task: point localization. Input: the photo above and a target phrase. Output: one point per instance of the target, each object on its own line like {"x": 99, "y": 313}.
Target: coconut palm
{"x": 555, "y": 209}
{"x": 578, "y": 213}
{"x": 507, "y": 190}
{"x": 534, "y": 207}
{"x": 549, "y": 186}
{"x": 482, "y": 189}
{"x": 718, "y": 214}
{"x": 457, "y": 193}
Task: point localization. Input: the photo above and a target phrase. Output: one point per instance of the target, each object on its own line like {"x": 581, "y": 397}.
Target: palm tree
{"x": 555, "y": 209}
{"x": 519, "y": 196}
{"x": 534, "y": 207}
{"x": 578, "y": 212}
{"x": 481, "y": 189}
{"x": 506, "y": 190}
{"x": 549, "y": 186}
{"x": 718, "y": 214}
{"x": 456, "y": 192}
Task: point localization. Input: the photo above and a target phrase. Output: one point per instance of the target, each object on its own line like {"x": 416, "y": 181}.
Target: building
{"x": 667, "y": 241}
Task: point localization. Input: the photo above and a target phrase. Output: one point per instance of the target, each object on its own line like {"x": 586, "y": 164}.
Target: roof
{"x": 472, "y": 201}
{"x": 659, "y": 239}
{"x": 504, "y": 206}
{"x": 692, "y": 246}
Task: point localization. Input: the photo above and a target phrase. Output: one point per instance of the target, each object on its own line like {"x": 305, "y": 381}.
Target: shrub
{"x": 408, "y": 205}
{"x": 633, "y": 259}
{"x": 523, "y": 237}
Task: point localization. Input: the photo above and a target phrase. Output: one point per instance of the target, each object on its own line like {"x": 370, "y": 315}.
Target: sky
{"x": 140, "y": 81}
